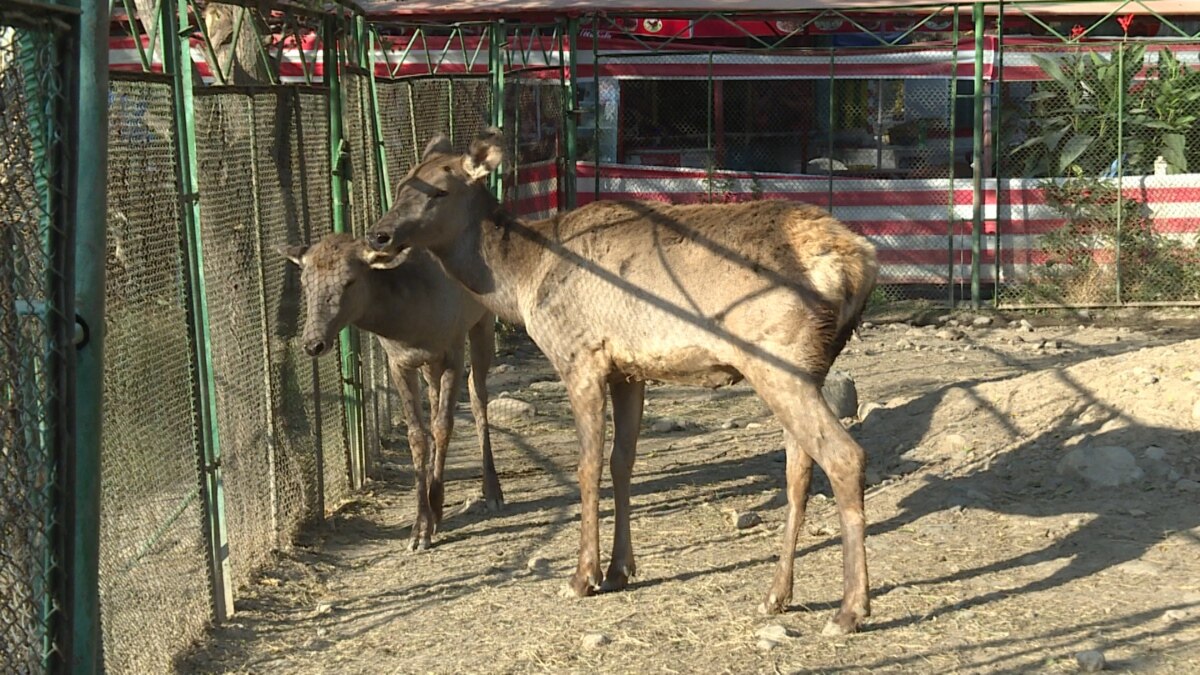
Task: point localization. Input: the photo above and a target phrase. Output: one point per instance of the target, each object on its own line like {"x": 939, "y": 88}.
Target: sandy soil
{"x": 983, "y": 557}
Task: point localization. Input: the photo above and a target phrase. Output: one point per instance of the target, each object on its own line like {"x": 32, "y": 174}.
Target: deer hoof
{"x": 617, "y": 578}
{"x": 583, "y": 585}
{"x": 494, "y": 504}
{"x": 419, "y": 543}
{"x": 842, "y": 623}
{"x": 774, "y": 604}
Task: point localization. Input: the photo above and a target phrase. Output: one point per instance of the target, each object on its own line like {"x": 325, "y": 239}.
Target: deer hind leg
{"x": 449, "y": 376}
{"x": 627, "y": 422}
{"x": 799, "y": 477}
{"x": 585, "y": 391}
{"x": 797, "y": 401}
{"x": 483, "y": 346}
{"x": 418, "y": 445}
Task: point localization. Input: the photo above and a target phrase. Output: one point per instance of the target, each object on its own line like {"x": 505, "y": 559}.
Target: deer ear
{"x": 439, "y": 144}
{"x": 485, "y": 155}
{"x": 294, "y": 253}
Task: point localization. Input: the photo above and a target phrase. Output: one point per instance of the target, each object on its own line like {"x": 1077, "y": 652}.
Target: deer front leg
{"x": 586, "y": 394}
{"x": 449, "y": 376}
{"x": 418, "y": 444}
{"x": 483, "y": 346}
{"x": 627, "y": 422}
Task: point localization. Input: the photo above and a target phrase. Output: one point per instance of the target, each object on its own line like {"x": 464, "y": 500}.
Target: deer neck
{"x": 491, "y": 261}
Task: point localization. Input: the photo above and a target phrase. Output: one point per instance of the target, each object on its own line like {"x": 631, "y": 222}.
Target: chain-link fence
{"x": 32, "y": 347}
{"x": 1099, "y": 158}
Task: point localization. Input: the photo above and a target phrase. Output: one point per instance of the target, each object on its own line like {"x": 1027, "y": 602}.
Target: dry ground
{"x": 983, "y": 558}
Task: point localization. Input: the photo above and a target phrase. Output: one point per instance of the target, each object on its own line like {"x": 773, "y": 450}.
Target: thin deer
{"x": 421, "y": 318}
{"x": 617, "y": 293}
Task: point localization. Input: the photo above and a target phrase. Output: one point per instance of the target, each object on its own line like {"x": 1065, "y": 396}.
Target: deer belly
{"x": 690, "y": 366}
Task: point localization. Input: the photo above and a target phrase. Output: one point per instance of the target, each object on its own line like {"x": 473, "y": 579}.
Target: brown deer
{"x": 421, "y": 319}
{"x": 618, "y": 293}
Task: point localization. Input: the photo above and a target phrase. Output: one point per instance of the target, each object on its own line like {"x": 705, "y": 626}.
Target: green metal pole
{"x": 977, "y": 158}
{"x": 496, "y": 68}
{"x": 385, "y": 181}
{"x": 1121, "y": 85}
{"x": 596, "y": 101}
{"x": 87, "y": 109}
{"x": 997, "y": 111}
{"x": 351, "y": 389}
{"x": 829, "y": 131}
{"x": 450, "y": 109}
{"x": 570, "y": 108}
{"x": 708, "y": 131}
{"x": 953, "y": 215}
{"x": 177, "y": 60}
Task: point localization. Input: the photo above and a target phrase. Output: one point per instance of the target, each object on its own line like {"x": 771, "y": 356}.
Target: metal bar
{"x": 80, "y": 376}
{"x": 380, "y": 154}
{"x": 953, "y": 197}
{"x": 131, "y": 16}
{"x": 570, "y": 113}
{"x": 596, "y": 102}
{"x": 829, "y": 135}
{"x": 708, "y": 129}
{"x": 450, "y": 108}
{"x": 177, "y": 60}
{"x": 977, "y": 157}
{"x": 351, "y": 393}
{"x": 496, "y": 67}
{"x": 264, "y": 327}
{"x": 997, "y": 130}
{"x": 1119, "y": 203}
{"x": 209, "y": 52}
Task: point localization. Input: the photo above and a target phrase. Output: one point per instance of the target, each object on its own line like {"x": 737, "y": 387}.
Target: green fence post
{"x": 977, "y": 157}
{"x": 380, "y": 154}
{"x": 86, "y": 117}
{"x": 496, "y": 68}
{"x": 997, "y": 133}
{"x": 177, "y": 60}
{"x": 953, "y": 215}
{"x": 570, "y": 110}
{"x": 348, "y": 340}
{"x": 1121, "y": 85}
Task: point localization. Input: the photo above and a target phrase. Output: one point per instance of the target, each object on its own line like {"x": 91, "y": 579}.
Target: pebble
{"x": 729, "y": 424}
{"x": 1174, "y": 615}
{"x": 949, "y": 334}
{"x": 322, "y": 609}
{"x": 754, "y": 425}
{"x": 595, "y": 640}
{"x": 765, "y": 645}
{"x": 663, "y": 426}
{"x": 981, "y": 321}
{"x": 510, "y": 409}
{"x": 538, "y": 565}
{"x": 841, "y": 394}
{"x": 866, "y": 325}
{"x": 1026, "y": 326}
{"x": 1186, "y": 485}
{"x": 1101, "y": 466}
{"x": 1091, "y": 661}
{"x": 745, "y": 519}
{"x": 1155, "y": 453}
{"x": 502, "y": 368}
{"x": 774, "y": 632}
{"x": 903, "y": 344}
{"x": 547, "y": 385}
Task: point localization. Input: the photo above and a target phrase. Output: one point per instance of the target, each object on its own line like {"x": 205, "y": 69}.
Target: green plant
{"x": 1109, "y": 240}
{"x": 1092, "y": 109}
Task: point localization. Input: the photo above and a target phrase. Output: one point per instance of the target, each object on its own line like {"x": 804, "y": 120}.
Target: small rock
{"x": 903, "y": 344}
{"x": 981, "y": 321}
{"x": 538, "y": 565}
{"x": 663, "y": 426}
{"x": 745, "y": 520}
{"x": 729, "y": 424}
{"x": 953, "y": 443}
{"x": 1083, "y": 314}
{"x": 595, "y": 640}
{"x": 819, "y": 530}
{"x": 1185, "y": 485}
{"x": 322, "y": 609}
{"x": 841, "y": 394}
{"x": 547, "y": 385}
{"x": 949, "y": 334}
{"x": 1052, "y": 344}
{"x": 1136, "y": 513}
{"x": 510, "y": 409}
{"x": 1091, "y": 661}
{"x": 754, "y": 425}
{"x": 944, "y": 318}
{"x": 865, "y": 409}
{"x": 1175, "y": 615}
{"x": 1102, "y": 466}
{"x": 866, "y": 325}
{"x": 1140, "y": 568}
{"x": 1155, "y": 454}
{"x": 502, "y": 368}
{"x": 774, "y": 632}
{"x": 765, "y": 645}
{"x": 873, "y": 477}
{"x": 1026, "y": 326}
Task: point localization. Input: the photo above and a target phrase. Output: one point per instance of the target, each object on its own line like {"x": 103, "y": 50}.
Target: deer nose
{"x": 380, "y": 240}
{"x": 314, "y": 348}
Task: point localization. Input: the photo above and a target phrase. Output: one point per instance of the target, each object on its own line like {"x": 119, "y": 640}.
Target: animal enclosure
{"x": 163, "y": 437}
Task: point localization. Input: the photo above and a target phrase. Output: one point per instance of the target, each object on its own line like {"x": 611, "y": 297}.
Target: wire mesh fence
{"x": 1098, "y": 152}
{"x": 153, "y": 549}
{"x": 32, "y": 347}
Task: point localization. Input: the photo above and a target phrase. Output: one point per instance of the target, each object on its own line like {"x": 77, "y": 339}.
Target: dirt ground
{"x": 983, "y": 557}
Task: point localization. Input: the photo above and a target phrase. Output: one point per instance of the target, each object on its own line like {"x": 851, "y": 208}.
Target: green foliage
{"x": 1092, "y": 109}
{"x": 1108, "y": 239}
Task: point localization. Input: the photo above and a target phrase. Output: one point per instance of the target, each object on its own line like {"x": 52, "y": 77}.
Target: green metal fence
{"x": 35, "y": 335}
